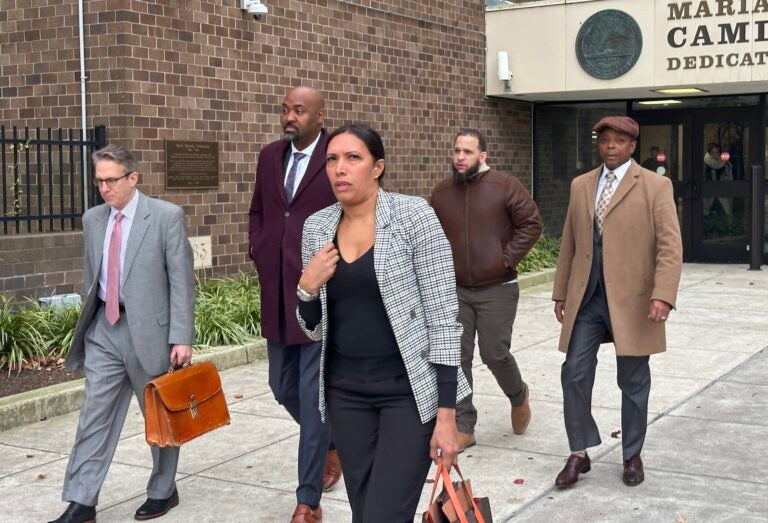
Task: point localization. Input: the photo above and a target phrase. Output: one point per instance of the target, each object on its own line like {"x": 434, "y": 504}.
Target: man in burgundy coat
{"x": 291, "y": 184}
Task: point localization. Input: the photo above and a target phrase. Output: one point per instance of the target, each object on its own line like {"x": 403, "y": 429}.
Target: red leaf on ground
{"x": 519, "y": 481}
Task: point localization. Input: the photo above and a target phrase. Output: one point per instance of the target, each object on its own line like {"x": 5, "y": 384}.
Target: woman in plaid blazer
{"x": 378, "y": 289}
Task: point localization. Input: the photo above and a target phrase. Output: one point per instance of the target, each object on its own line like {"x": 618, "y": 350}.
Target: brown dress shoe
{"x": 521, "y": 416}
{"x": 332, "y": 472}
{"x": 304, "y": 514}
{"x": 573, "y": 467}
{"x": 466, "y": 440}
{"x": 633, "y": 472}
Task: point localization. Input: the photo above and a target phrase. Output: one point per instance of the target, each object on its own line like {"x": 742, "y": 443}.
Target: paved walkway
{"x": 706, "y": 451}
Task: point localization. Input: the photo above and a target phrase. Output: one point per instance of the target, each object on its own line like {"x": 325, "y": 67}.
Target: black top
{"x": 361, "y": 343}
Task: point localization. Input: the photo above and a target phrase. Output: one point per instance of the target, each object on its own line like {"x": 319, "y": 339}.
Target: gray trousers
{"x": 577, "y": 376}
{"x": 112, "y": 374}
{"x": 489, "y": 313}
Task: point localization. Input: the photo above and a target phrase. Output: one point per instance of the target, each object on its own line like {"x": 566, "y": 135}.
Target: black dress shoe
{"x": 154, "y": 508}
{"x": 77, "y": 513}
{"x": 633, "y": 472}
{"x": 573, "y": 467}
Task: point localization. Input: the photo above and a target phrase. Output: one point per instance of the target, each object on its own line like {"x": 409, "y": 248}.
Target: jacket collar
{"x": 314, "y": 167}
{"x": 385, "y": 210}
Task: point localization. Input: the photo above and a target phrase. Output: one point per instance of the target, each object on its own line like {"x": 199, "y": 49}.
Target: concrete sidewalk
{"x": 705, "y": 453}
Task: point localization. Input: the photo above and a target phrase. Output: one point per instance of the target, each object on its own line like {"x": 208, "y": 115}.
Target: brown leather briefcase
{"x": 184, "y": 404}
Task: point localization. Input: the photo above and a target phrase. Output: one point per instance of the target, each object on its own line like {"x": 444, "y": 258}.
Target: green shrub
{"x": 60, "y": 323}
{"x": 22, "y": 334}
{"x": 227, "y": 313}
{"x": 543, "y": 255}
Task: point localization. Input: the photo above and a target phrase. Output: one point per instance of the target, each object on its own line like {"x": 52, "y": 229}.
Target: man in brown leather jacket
{"x": 491, "y": 222}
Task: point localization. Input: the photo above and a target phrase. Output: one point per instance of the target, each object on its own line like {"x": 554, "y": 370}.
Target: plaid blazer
{"x": 414, "y": 268}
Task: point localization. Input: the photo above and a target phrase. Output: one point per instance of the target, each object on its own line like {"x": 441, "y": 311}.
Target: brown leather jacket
{"x": 491, "y": 222}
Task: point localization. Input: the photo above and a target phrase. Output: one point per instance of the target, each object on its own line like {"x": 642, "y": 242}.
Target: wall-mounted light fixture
{"x": 502, "y": 69}
{"x": 254, "y": 7}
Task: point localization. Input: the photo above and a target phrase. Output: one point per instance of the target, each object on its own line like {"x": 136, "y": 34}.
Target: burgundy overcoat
{"x": 274, "y": 233}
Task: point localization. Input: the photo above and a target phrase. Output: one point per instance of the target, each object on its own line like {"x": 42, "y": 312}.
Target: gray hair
{"x": 119, "y": 155}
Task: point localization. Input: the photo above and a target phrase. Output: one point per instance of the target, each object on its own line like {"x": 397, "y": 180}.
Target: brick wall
{"x": 41, "y": 265}
{"x": 205, "y": 70}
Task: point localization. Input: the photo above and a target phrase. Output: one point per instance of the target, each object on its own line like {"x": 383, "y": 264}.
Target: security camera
{"x": 254, "y": 7}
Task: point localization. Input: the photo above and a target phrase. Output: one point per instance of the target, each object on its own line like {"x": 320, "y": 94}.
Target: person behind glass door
{"x": 717, "y": 170}
{"x": 652, "y": 163}
{"x": 378, "y": 290}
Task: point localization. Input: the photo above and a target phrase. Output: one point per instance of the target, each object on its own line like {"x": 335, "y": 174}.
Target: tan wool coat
{"x": 642, "y": 256}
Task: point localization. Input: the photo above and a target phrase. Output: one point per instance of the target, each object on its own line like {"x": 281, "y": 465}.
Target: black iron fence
{"x": 43, "y": 186}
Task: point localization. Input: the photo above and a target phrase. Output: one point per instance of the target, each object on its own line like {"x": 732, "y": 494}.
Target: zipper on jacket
{"x": 466, "y": 235}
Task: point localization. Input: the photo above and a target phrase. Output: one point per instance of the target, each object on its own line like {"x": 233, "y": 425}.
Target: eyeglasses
{"x": 110, "y": 181}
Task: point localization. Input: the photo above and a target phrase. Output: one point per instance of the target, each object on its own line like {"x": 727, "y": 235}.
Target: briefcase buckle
{"x": 193, "y": 406}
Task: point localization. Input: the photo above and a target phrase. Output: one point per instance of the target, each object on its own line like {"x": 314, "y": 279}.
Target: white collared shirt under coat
{"x": 301, "y": 169}
{"x": 414, "y": 268}
{"x": 619, "y": 171}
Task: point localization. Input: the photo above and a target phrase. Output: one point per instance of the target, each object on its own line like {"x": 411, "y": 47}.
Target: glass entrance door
{"x": 708, "y": 155}
{"x": 724, "y": 152}
{"x": 664, "y": 147}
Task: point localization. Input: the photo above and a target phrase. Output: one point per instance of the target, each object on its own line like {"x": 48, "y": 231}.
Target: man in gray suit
{"x": 137, "y": 321}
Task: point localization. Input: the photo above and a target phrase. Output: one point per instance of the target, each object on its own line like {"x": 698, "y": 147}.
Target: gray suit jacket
{"x": 158, "y": 282}
{"x": 414, "y": 268}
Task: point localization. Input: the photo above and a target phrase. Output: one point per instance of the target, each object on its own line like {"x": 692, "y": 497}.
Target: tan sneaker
{"x": 521, "y": 416}
{"x": 466, "y": 440}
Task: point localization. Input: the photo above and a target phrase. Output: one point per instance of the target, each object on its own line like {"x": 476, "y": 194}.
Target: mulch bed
{"x": 29, "y": 379}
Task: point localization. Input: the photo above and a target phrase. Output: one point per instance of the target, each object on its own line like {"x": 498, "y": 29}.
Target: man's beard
{"x": 464, "y": 178}
{"x": 291, "y": 136}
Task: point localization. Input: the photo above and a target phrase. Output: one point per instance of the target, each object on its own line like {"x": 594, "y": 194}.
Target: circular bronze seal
{"x": 608, "y": 44}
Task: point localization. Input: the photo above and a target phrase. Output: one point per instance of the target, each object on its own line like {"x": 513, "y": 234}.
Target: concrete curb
{"x": 526, "y": 281}
{"x": 62, "y": 398}
{"x": 40, "y": 404}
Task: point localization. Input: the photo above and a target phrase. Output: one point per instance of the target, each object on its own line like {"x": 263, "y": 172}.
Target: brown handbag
{"x": 184, "y": 404}
{"x": 456, "y": 503}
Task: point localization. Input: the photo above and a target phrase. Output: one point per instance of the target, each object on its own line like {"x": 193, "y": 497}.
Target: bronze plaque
{"x": 191, "y": 165}
{"x": 608, "y": 44}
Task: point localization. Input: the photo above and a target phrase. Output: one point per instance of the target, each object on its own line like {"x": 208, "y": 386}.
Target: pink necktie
{"x": 113, "y": 271}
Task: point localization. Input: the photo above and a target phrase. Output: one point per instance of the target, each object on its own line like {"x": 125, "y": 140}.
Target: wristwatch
{"x": 304, "y": 295}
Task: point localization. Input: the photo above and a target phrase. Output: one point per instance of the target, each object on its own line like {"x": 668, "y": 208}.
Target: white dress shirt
{"x": 619, "y": 171}
{"x": 303, "y": 163}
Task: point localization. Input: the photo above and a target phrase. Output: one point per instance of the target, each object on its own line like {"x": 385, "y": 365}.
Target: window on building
{"x": 564, "y": 147}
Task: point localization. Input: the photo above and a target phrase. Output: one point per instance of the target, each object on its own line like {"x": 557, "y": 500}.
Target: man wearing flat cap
{"x": 616, "y": 281}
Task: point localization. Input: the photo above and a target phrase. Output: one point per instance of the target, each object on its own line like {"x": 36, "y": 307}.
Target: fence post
{"x": 100, "y": 136}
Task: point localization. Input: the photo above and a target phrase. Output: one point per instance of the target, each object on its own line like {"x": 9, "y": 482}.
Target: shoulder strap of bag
{"x": 468, "y": 486}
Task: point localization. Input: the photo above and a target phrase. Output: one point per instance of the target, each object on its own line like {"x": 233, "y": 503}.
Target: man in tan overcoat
{"x": 617, "y": 278}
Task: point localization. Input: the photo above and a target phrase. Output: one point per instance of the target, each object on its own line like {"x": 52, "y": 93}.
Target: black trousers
{"x": 382, "y": 444}
{"x": 577, "y": 376}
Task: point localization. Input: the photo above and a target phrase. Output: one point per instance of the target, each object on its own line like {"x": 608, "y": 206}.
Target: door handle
{"x": 695, "y": 188}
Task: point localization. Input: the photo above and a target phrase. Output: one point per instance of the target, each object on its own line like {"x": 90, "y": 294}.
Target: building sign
{"x": 191, "y": 165}
{"x": 716, "y": 34}
{"x": 608, "y": 44}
